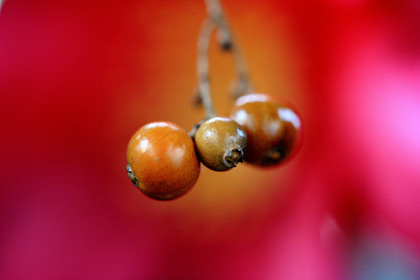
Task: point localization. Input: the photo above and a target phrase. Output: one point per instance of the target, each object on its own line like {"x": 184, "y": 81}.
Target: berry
{"x": 162, "y": 161}
{"x": 273, "y": 130}
{"x": 220, "y": 143}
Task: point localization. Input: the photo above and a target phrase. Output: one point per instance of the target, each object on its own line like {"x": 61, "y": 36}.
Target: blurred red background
{"x": 78, "y": 78}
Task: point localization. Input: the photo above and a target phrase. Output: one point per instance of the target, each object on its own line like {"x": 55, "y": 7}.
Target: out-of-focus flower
{"x": 78, "y": 78}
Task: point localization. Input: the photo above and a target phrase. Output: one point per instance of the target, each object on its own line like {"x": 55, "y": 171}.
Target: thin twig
{"x": 203, "y": 66}
{"x": 217, "y": 19}
{"x": 228, "y": 42}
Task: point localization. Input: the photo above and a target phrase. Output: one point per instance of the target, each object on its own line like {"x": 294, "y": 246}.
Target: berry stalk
{"x": 203, "y": 66}
{"x": 228, "y": 42}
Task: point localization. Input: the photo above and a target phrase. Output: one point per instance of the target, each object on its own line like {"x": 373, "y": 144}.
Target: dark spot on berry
{"x": 132, "y": 176}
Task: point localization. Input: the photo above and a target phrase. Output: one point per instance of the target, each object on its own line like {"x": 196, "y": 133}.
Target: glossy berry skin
{"x": 220, "y": 143}
{"x": 273, "y": 130}
{"x": 162, "y": 161}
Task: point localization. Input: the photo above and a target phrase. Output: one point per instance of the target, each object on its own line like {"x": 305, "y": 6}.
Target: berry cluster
{"x": 163, "y": 160}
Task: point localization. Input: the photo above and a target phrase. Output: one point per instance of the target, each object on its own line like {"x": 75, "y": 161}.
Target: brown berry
{"x": 220, "y": 143}
{"x": 162, "y": 161}
{"x": 273, "y": 130}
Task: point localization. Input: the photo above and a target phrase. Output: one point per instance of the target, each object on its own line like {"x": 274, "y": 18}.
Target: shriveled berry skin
{"x": 273, "y": 130}
{"x": 220, "y": 143}
{"x": 162, "y": 161}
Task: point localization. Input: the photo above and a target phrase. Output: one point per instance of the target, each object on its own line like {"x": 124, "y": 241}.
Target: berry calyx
{"x": 161, "y": 161}
{"x": 220, "y": 143}
{"x": 273, "y": 130}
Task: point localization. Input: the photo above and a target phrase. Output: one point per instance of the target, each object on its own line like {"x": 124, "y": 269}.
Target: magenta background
{"x": 69, "y": 72}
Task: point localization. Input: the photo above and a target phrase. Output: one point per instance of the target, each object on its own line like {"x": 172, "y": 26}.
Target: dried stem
{"x": 203, "y": 66}
{"x": 229, "y": 43}
{"x": 217, "y": 19}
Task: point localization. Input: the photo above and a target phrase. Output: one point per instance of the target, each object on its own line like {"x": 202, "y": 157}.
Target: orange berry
{"x": 162, "y": 161}
{"x": 273, "y": 130}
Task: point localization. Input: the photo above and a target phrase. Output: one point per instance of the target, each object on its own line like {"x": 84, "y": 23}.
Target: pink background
{"x": 77, "y": 78}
